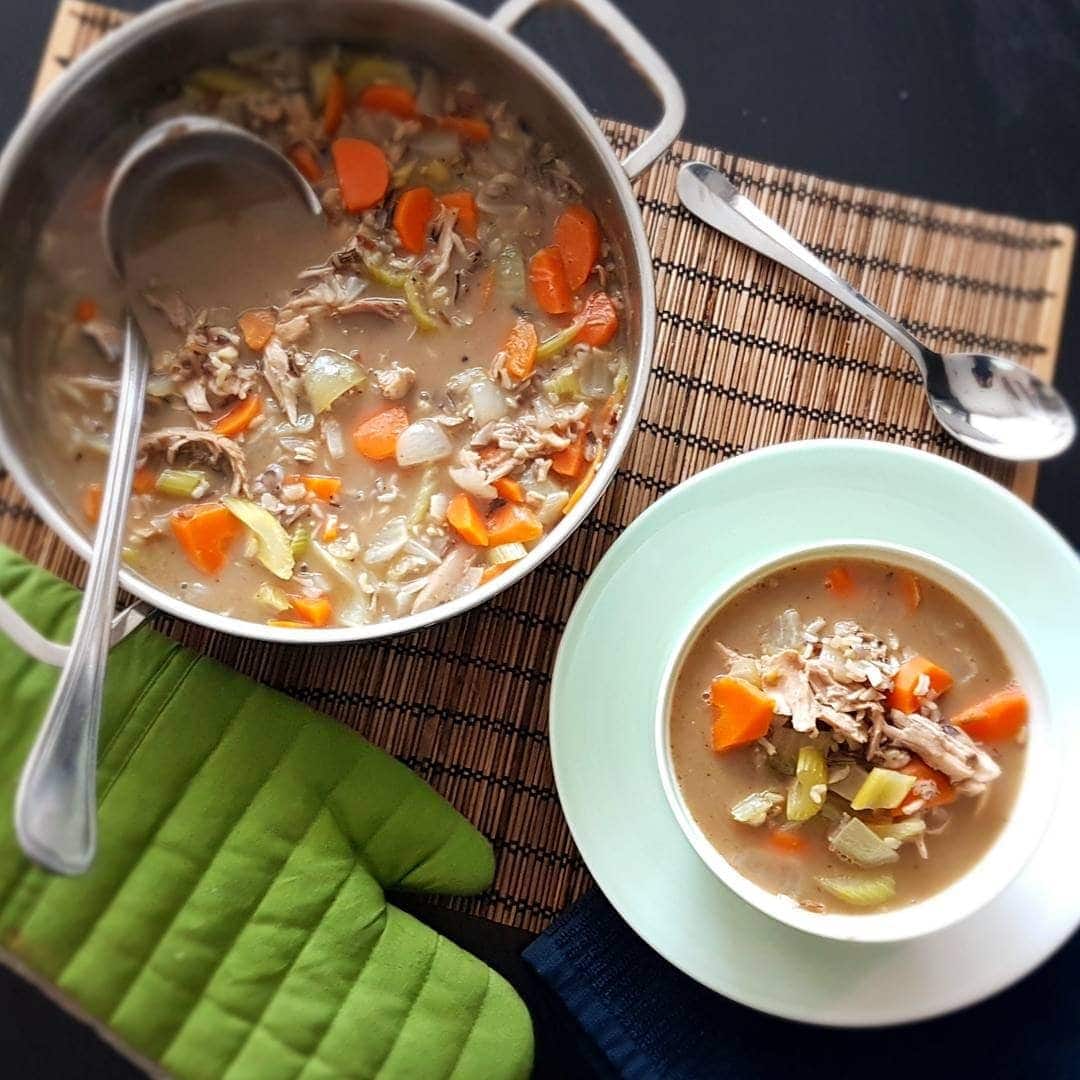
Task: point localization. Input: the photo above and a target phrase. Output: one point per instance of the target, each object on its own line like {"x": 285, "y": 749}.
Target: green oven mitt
{"x": 234, "y": 922}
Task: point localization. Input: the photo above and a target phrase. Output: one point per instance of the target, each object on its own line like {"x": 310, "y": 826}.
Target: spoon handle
{"x": 709, "y": 195}
{"x": 56, "y": 803}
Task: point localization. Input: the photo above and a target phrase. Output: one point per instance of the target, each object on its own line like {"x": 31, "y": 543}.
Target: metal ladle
{"x": 56, "y": 802}
{"x": 994, "y": 405}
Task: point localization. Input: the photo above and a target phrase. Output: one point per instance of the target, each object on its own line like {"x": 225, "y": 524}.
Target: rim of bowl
{"x": 143, "y": 25}
{"x": 1019, "y": 836}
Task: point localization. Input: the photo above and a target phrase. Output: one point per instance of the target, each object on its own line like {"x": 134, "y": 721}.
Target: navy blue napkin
{"x": 645, "y": 1019}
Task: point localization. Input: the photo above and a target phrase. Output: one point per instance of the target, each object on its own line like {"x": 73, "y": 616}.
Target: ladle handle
{"x": 56, "y": 803}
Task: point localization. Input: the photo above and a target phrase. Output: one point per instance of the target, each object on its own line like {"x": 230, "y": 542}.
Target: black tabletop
{"x": 968, "y": 101}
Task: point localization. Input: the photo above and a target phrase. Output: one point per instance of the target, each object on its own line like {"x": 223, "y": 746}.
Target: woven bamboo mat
{"x": 747, "y": 355}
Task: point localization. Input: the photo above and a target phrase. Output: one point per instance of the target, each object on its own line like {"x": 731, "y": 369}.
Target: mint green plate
{"x": 643, "y": 596}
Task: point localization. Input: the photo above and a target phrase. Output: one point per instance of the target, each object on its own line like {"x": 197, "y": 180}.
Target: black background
{"x": 971, "y": 101}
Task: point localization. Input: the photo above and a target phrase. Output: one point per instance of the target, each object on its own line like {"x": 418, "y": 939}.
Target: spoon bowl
{"x": 998, "y": 407}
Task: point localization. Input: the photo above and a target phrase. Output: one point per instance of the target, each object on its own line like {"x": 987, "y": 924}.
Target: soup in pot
{"x": 848, "y": 734}
{"x": 350, "y": 418}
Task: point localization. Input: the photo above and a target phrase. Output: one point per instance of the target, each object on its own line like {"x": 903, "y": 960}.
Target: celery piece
{"x": 226, "y": 80}
{"x": 383, "y": 275}
{"x": 299, "y": 541}
{"x": 509, "y": 270}
{"x": 182, "y": 483}
{"x": 435, "y": 172}
{"x": 883, "y": 789}
{"x": 905, "y": 831}
{"x": 756, "y": 807}
{"x": 365, "y": 70}
{"x": 504, "y": 553}
{"x": 272, "y": 597}
{"x": 424, "y": 319}
{"x": 564, "y": 383}
{"x": 274, "y": 546}
{"x": 856, "y": 842}
{"x": 807, "y": 791}
{"x": 860, "y": 890}
{"x": 131, "y": 556}
{"x": 428, "y": 483}
{"x": 555, "y": 344}
{"x": 851, "y": 783}
{"x": 320, "y": 73}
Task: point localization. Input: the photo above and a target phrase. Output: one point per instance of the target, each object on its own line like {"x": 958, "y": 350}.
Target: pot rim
{"x": 60, "y": 94}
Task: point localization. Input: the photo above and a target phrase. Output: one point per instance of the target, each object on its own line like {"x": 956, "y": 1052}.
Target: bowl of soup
{"x": 360, "y": 423}
{"x": 854, "y": 738}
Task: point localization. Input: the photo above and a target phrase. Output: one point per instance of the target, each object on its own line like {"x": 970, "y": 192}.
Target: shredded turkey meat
{"x": 840, "y": 682}
{"x": 198, "y": 446}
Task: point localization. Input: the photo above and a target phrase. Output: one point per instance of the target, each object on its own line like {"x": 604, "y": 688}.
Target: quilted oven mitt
{"x": 234, "y": 922}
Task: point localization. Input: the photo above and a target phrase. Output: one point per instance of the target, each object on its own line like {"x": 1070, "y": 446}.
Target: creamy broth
{"x": 880, "y": 601}
{"x": 223, "y": 244}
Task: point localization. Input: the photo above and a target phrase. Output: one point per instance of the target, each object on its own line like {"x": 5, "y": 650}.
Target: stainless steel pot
{"x": 116, "y": 77}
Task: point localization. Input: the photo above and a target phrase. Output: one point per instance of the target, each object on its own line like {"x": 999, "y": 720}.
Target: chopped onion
{"x": 328, "y": 376}
{"x": 334, "y": 439}
{"x": 552, "y": 507}
{"x": 422, "y": 442}
{"x": 488, "y": 401}
{"x": 437, "y": 143}
{"x": 387, "y": 542}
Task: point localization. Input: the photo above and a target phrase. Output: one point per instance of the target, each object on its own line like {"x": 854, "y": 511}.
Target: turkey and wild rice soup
{"x": 349, "y": 418}
{"x": 848, "y": 735}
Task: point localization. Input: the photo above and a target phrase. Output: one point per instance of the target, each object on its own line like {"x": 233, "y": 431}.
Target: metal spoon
{"x": 55, "y": 806}
{"x": 991, "y": 404}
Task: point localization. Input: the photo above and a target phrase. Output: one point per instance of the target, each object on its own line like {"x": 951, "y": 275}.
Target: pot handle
{"x": 49, "y": 652}
{"x": 641, "y": 55}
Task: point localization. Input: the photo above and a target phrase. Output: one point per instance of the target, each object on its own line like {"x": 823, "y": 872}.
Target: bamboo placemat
{"x": 747, "y": 355}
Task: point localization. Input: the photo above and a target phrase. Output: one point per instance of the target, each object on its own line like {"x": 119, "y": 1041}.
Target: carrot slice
{"x": 903, "y": 696}
{"x": 384, "y": 97}
{"x": 520, "y": 350}
{"x": 1001, "y": 717}
{"x": 322, "y": 487}
{"x": 571, "y": 461}
{"x": 510, "y": 490}
{"x": 599, "y": 320}
{"x": 330, "y": 529}
{"x": 547, "y": 276}
{"x": 463, "y": 514}
{"x": 308, "y": 164}
{"x": 315, "y": 611}
{"x": 840, "y": 582}
{"x": 512, "y": 524}
{"x": 786, "y": 841}
{"x": 577, "y": 236}
{"x": 91, "y": 502}
{"x": 142, "y": 483}
{"x": 257, "y": 326}
{"x": 85, "y": 309}
{"x": 239, "y": 417}
{"x": 918, "y": 768}
{"x": 910, "y": 591}
{"x": 741, "y": 712}
{"x": 465, "y": 205}
{"x": 412, "y": 216}
{"x": 205, "y": 533}
{"x": 487, "y": 289}
{"x": 334, "y": 107}
{"x": 583, "y": 485}
{"x": 376, "y": 437}
{"x": 363, "y": 173}
{"x": 491, "y": 572}
{"x": 468, "y": 127}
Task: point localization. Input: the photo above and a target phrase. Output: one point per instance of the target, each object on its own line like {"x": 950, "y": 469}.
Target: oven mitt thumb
{"x": 234, "y": 923}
